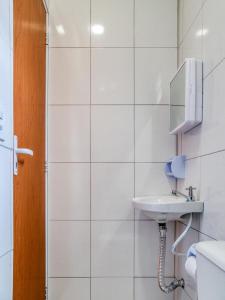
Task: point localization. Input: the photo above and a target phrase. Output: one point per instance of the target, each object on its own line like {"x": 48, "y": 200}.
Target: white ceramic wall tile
{"x": 192, "y": 44}
{"x": 6, "y": 276}
{"x": 154, "y": 69}
{"x": 69, "y": 73}
{"x": 69, "y": 249}
{"x": 6, "y": 94}
{"x": 213, "y": 111}
{"x": 192, "y": 178}
{"x": 156, "y": 23}
{"x": 112, "y": 248}
{"x": 69, "y": 191}
{"x": 112, "y": 76}
{"x": 213, "y": 40}
{"x": 180, "y": 56}
{"x": 69, "y": 23}
{"x": 180, "y": 4}
{"x": 191, "y": 238}
{"x": 213, "y": 195}
{"x": 147, "y": 288}
{"x": 6, "y": 191}
{"x": 151, "y": 179}
{"x": 152, "y": 134}
{"x": 112, "y": 288}
{"x": 112, "y": 23}
{"x": 180, "y": 294}
{"x": 192, "y": 141}
{"x": 112, "y": 134}
{"x": 68, "y": 288}
{"x": 69, "y": 134}
{"x": 5, "y": 21}
{"x": 147, "y": 249}
{"x": 112, "y": 191}
{"x": 191, "y": 9}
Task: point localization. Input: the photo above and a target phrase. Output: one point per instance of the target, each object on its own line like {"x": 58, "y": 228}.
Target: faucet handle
{"x": 190, "y": 190}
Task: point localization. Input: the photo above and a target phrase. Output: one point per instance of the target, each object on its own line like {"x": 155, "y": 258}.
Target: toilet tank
{"x": 211, "y": 270}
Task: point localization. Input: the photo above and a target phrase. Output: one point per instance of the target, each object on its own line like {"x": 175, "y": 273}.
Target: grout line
{"x": 184, "y": 35}
{"x": 90, "y": 150}
{"x": 6, "y": 147}
{"x": 115, "y": 47}
{"x": 106, "y": 162}
{"x": 197, "y": 230}
{"x": 134, "y": 126}
{"x": 112, "y": 104}
{"x": 122, "y": 277}
{"x": 214, "y": 68}
{"x": 100, "y": 220}
{"x": 207, "y": 154}
{"x": 6, "y": 253}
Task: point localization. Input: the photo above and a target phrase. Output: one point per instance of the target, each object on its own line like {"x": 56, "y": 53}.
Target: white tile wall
{"x": 145, "y": 287}
{"x": 213, "y": 194}
{"x": 69, "y": 191}
{"x": 213, "y": 41}
{"x": 192, "y": 44}
{"x": 112, "y": 134}
{"x": 152, "y": 78}
{"x": 5, "y": 200}
{"x": 112, "y": 288}
{"x": 152, "y": 133}
{"x": 112, "y": 248}
{"x": 191, "y": 10}
{"x": 116, "y": 18}
{"x": 69, "y": 134}
{"x": 69, "y": 76}
{"x": 69, "y": 245}
{"x": 149, "y": 179}
{"x": 156, "y": 23}
{"x": 204, "y": 145}
{"x": 112, "y": 76}
{"x": 69, "y": 23}
{"x": 6, "y": 276}
{"x": 6, "y": 131}
{"x": 112, "y": 190}
{"x": 69, "y": 288}
{"x": 96, "y": 128}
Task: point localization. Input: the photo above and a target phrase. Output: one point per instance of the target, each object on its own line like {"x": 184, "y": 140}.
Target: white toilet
{"x": 211, "y": 270}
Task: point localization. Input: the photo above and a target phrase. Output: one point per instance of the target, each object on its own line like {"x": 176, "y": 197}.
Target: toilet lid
{"x": 214, "y": 251}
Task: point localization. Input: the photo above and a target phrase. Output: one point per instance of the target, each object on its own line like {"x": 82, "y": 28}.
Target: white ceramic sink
{"x": 166, "y": 208}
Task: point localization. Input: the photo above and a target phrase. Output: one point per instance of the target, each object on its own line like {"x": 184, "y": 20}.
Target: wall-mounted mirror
{"x": 186, "y": 97}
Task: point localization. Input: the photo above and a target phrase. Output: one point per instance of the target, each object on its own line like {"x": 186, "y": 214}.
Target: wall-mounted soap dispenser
{"x": 175, "y": 167}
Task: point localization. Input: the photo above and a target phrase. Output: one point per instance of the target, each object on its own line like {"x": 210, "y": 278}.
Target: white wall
{"x": 6, "y": 153}
{"x": 108, "y": 141}
{"x": 202, "y": 35}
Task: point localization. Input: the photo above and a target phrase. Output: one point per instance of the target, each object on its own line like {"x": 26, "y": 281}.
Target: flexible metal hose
{"x": 161, "y": 269}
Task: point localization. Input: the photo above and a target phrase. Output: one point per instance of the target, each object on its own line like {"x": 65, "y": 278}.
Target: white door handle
{"x": 24, "y": 151}
{"x": 19, "y": 151}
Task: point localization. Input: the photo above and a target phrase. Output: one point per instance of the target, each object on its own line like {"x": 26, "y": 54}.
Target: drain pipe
{"x": 161, "y": 269}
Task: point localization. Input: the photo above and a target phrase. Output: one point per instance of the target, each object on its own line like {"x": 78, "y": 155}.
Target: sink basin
{"x": 166, "y": 208}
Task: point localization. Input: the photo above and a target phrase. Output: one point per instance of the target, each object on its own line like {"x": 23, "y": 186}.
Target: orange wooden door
{"x": 29, "y": 126}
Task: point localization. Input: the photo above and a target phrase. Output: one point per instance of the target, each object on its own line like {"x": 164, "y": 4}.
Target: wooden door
{"x": 29, "y": 126}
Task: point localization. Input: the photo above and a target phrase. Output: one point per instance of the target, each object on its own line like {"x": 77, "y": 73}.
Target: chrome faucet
{"x": 189, "y": 197}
